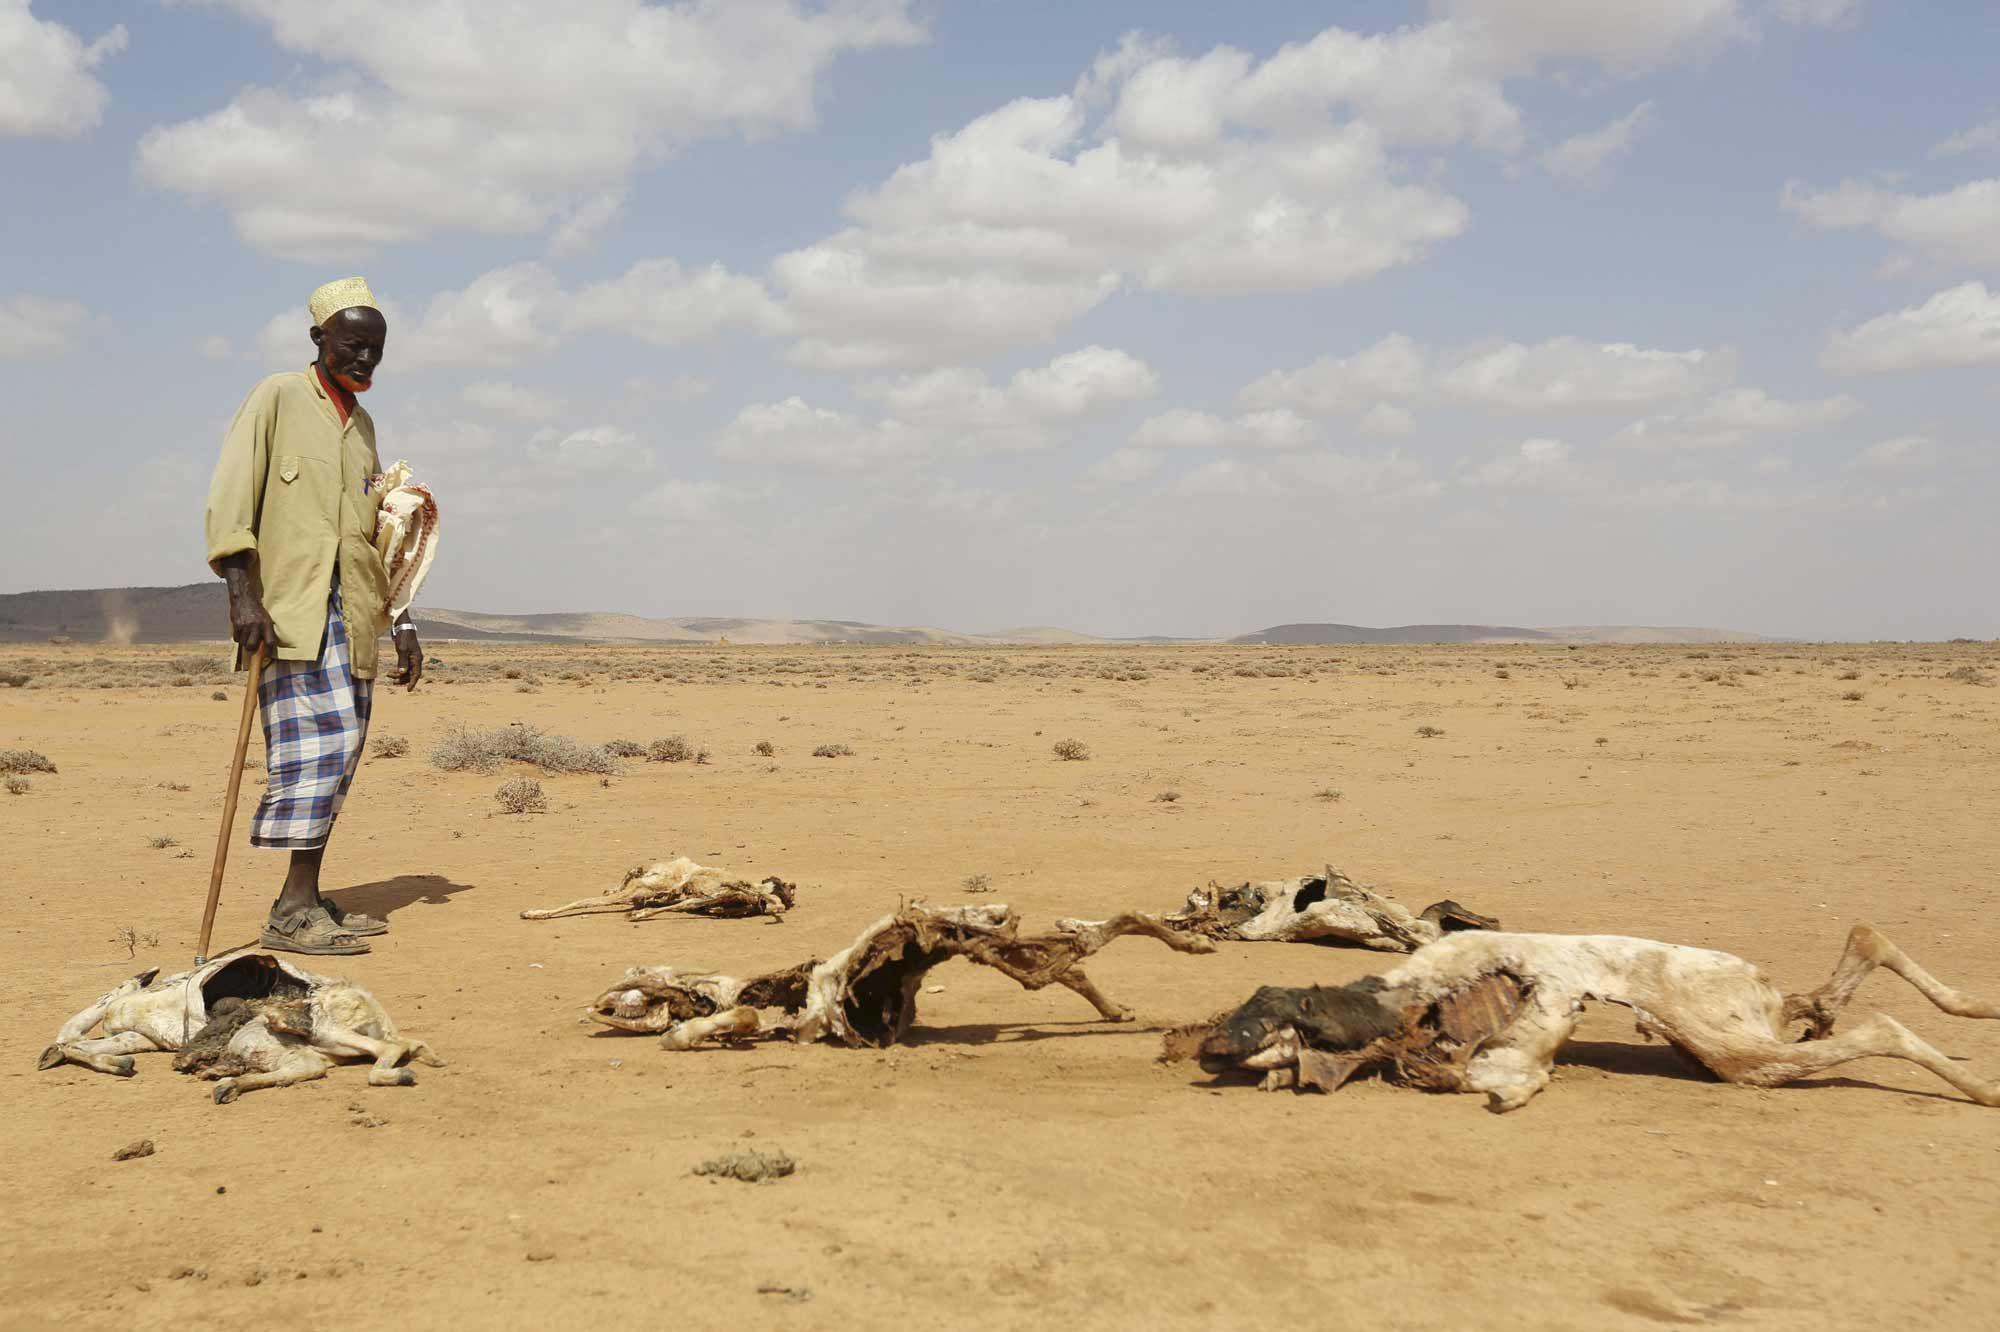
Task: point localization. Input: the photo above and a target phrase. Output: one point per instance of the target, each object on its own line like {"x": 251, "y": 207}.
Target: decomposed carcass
{"x": 1486, "y": 1012}
{"x": 1320, "y": 908}
{"x": 866, "y": 994}
{"x": 681, "y": 886}
{"x": 245, "y": 1020}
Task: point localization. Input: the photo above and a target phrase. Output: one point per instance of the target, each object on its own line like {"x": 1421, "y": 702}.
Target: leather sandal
{"x": 311, "y": 931}
{"x": 354, "y": 922}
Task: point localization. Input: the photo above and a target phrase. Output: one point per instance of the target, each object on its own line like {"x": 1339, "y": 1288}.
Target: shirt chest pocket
{"x": 288, "y": 470}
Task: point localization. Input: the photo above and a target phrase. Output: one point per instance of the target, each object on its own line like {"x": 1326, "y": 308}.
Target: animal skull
{"x": 1320, "y": 908}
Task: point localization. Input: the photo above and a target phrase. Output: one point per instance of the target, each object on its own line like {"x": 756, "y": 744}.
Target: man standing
{"x": 291, "y": 528}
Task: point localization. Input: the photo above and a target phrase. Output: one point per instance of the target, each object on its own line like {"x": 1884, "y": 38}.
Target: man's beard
{"x": 351, "y": 384}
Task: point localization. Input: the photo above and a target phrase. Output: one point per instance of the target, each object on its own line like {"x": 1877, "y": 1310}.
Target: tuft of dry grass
{"x": 1070, "y": 751}
{"x": 24, "y": 760}
{"x": 835, "y": 750}
{"x": 1430, "y": 732}
{"x": 463, "y": 749}
{"x": 624, "y": 749}
{"x": 673, "y": 749}
{"x": 162, "y": 843}
{"x": 752, "y": 1167}
{"x": 19, "y": 786}
{"x": 1166, "y": 797}
{"x": 1852, "y": 696}
{"x": 764, "y": 747}
{"x": 390, "y": 746}
{"x": 522, "y": 795}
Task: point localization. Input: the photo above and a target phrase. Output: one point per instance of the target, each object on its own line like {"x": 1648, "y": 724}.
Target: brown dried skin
{"x": 680, "y": 886}
{"x": 1327, "y": 908}
{"x": 866, "y": 995}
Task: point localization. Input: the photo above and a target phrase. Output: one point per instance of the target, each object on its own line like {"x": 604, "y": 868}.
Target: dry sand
{"x": 1021, "y": 1164}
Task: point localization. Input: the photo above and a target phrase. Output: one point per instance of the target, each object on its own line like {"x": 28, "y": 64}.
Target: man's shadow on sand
{"x": 388, "y": 896}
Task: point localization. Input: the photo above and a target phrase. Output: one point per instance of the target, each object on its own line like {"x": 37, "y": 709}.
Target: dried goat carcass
{"x": 1320, "y": 908}
{"x": 1487, "y": 1012}
{"x": 681, "y": 886}
{"x": 245, "y": 1020}
{"x": 866, "y": 994}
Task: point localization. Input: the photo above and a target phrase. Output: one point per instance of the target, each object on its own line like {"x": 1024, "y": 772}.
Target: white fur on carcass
{"x": 1715, "y": 1006}
{"x": 150, "y": 1012}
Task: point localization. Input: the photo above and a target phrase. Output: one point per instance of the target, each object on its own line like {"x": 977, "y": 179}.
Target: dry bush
{"x": 1430, "y": 732}
{"x": 18, "y": 786}
{"x": 15, "y": 679}
{"x": 390, "y": 746}
{"x": 673, "y": 749}
{"x": 219, "y": 696}
{"x": 764, "y": 747}
{"x": 835, "y": 750}
{"x": 1070, "y": 751}
{"x": 162, "y": 843}
{"x": 1968, "y": 675}
{"x": 463, "y": 749}
{"x": 752, "y": 1167}
{"x": 624, "y": 749}
{"x": 1327, "y": 793}
{"x": 1852, "y": 696}
{"x": 522, "y": 795}
{"x": 24, "y": 760}
{"x": 976, "y": 883}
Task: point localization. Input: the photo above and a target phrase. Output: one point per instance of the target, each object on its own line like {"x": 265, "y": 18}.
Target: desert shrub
{"x": 1850, "y": 675}
{"x": 1166, "y": 797}
{"x": 390, "y": 746}
{"x": 1571, "y": 683}
{"x": 1968, "y": 675}
{"x": 1070, "y": 751}
{"x": 196, "y": 665}
{"x": 15, "y": 679}
{"x": 522, "y": 795}
{"x": 764, "y": 747}
{"x": 162, "y": 843}
{"x": 835, "y": 750}
{"x": 701, "y": 756}
{"x": 463, "y": 749}
{"x": 1503, "y": 674}
{"x": 673, "y": 749}
{"x": 624, "y": 749}
{"x": 18, "y": 785}
{"x": 1852, "y": 696}
{"x": 1430, "y": 732}
{"x": 24, "y": 760}
{"x": 1327, "y": 793}
{"x": 219, "y": 696}
{"x": 752, "y": 1167}
{"x": 976, "y": 883}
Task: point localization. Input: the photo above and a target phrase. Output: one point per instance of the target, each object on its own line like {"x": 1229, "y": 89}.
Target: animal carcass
{"x": 246, "y": 1020}
{"x": 866, "y": 994}
{"x": 1486, "y": 1012}
{"x": 1320, "y": 908}
{"x": 680, "y": 885}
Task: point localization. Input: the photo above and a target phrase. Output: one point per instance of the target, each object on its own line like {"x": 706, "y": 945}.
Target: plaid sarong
{"x": 315, "y": 720}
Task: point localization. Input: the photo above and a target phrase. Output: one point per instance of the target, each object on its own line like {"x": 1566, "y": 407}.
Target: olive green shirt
{"x": 293, "y": 485}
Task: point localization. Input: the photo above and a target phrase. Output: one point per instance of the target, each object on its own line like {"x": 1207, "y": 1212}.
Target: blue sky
{"x": 1137, "y": 318}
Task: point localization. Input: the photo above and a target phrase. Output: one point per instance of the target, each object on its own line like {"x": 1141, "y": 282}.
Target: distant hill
{"x": 1330, "y": 634}
{"x": 199, "y": 613}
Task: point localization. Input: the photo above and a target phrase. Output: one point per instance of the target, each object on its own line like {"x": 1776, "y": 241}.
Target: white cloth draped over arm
{"x": 405, "y": 535}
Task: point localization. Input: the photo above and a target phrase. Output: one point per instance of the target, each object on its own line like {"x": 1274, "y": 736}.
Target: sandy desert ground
{"x": 1019, "y": 1164}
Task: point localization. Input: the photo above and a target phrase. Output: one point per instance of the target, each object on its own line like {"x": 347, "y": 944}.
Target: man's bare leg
{"x": 301, "y": 890}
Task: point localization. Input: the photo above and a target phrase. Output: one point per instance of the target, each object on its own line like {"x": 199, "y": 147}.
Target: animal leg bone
{"x": 1770, "y": 1062}
{"x": 1867, "y": 949}
{"x": 389, "y": 1056}
{"x": 300, "y": 1064}
{"x": 1106, "y": 1008}
{"x": 687, "y": 1035}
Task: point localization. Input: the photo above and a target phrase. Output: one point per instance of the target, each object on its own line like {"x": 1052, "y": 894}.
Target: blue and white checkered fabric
{"x": 315, "y": 721}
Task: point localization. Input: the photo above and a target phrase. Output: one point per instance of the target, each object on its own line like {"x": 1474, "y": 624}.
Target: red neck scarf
{"x": 343, "y": 401}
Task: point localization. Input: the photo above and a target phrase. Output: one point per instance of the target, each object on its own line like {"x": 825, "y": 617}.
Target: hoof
{"x": 124, "y": 1066}
{"x": 226, "y": 1091}
{"x": 392, "y": 1077}
{"x": 50, "y": 1057}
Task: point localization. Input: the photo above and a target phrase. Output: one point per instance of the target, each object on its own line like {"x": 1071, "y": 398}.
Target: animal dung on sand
{"x": 866, "y": 994}
{"x": 244, "y": 1021}
{"x": 681, "y": 886}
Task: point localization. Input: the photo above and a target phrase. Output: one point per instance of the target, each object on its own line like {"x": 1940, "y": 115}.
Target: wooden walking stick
{"x": 229, "y": 806}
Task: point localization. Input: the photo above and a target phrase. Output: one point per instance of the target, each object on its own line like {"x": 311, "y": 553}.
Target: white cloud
{"x": 679, "y": 500}
{"x": 1570, "y": 375}
{"x": 1959, "y": 326}
{"x": 1533, "y": 464}
{"x": 1083, "y": 383}
{"x": 1212, "y": 174}
{"x": 505, "y": 399}
{"x": 659, "y": 301}
{"x": 1980, "y": 137}
{"x": 1959, "y": 226}
{"x": 1631, "y": 34}
{"x": 580, "y": 228}
{"x": 794, "y": 431}
{"x": 1122, "y": 468}
{"x": 1735, "y": 417}
{"x": 47, "y": 89}
{"x": 1902, "y": 452}
{"x": 215, "y": 347}
{"x": 501, "y": 117}
{"x": 1771, "y": 464}
{"x": 1584, "y": 157}
{"x": 597, "y": 450}
{"x": 1390, "y": 370}
{"x": 32, "y": 327}
{"x": 1276, "y": 428}
{"x": 1818, "y": 13}
{"x": 1382, "y": 477}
